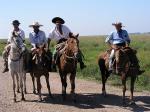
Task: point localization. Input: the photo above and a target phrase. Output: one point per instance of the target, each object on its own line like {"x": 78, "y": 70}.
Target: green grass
{"x": 93, "y": 46}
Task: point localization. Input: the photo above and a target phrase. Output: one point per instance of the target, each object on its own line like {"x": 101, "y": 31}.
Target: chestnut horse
{"x": 122, "y": 66}
{"x": 40, "y": 67}
{"x": 68, "y": 64}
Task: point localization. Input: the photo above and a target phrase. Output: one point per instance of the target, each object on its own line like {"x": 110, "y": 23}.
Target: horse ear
{"x": 70, "y": 34}
{"x": 77, "y": 35}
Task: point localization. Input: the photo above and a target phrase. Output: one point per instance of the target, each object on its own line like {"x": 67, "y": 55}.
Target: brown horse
{"x": 68, "y": 64}
{"x": 122, "y": 67}
{"x": 40, "y": 67}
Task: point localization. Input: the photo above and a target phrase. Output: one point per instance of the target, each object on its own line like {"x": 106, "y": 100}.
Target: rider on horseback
{"x": 120, "y": 39}
{"x": 37, "y": 39}
{"x": 61, "y": 33}
{"x": 17, "y": 34}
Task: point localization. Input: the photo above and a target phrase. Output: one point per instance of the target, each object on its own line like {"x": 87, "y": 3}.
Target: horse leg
{"x": 124, "y": 89}
{"x": 64, "y": 85}
{"x": 48, "y": 85}
{"x": 24, "y": 81}
{"x": 39, "y": 88}
{"x": 104, "y": 75}
{"x": 33, "y": 81}
{"x": 72, "y": 81}
{"x": 17, "y": 78}
{"x": 132, "y": 89}
{"x": 103, "y": 85}
{"x": 21, "y": 86}
{"x": 14, "y": 85}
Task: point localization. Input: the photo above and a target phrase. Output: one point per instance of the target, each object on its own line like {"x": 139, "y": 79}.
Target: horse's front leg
{"x": 39, "y": 87}
{"x": 124, "y": 89}
{"x": 64, "y": 85}
{"x": 132, "y": 89}
{"x": 21, "y": 86}
{"x": 14, "y": 85}
{"x": 48, "y": 85}
{"x": 72, "y": 81}
{"x": 17, "y": 78}
{"x": 33, "y": 81}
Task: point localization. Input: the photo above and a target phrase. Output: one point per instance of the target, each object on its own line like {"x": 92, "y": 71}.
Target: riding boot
{"x": 82, "y": 65}
{"x": 5, "y": 66}
{"x": 110, "y": 70}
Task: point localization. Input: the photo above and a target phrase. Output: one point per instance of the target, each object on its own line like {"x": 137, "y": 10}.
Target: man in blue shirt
{"x": 118, "y": 38}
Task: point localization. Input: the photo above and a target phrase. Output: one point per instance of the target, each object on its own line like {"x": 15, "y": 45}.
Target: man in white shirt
{"x": 18, "y": 34}
{"x": 60, "y": 33}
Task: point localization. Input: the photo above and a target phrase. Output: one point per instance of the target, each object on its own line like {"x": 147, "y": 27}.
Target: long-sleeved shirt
{"x": 55, "y": 34}
{"x": 118, "y": 37}
{"x": 37, "y": 39}
{"x": 19, "y": 40}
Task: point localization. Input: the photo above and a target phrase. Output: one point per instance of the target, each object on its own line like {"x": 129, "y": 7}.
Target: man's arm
{"x": 108, "y": 39}
{"x": 127, "y": 39}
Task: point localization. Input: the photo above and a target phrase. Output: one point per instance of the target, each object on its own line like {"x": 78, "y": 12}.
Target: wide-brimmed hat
{"x": 55, "y": 19}
{"x": 15, "y": 22}
{"x": 35, "y": 24}
{"x": 117, "y": 24}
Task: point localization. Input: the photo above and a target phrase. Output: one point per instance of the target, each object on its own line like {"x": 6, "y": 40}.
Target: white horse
{"x": 16, "y": 67}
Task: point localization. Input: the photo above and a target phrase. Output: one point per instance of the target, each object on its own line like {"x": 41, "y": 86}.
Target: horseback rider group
{"x": 60, "y": 33}
{"x": 37, "y": 38}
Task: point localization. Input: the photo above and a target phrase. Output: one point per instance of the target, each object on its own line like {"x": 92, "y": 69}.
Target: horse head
{"x": 122, "y": 61}
{"x": 39, "y": 57}
{"x": 72, "y": 46}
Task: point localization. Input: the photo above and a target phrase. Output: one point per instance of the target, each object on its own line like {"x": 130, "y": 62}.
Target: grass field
{"x": 93, "y": 46}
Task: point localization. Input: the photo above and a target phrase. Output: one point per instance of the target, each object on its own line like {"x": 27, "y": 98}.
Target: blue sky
{"x": 87, "y": 17}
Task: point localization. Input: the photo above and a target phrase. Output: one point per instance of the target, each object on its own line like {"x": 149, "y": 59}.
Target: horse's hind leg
{"x": 72, "y": 81}
{"x": 39, "y": 88}
{"x": 14, "y": 86}
{"x": 24, "y": 81}
{"x": 33, "y": 81}
{"x": 124, "y": 89}
{"x": 17, "y": 78}
{"x": 48, "y": 85}
{"x": 21, "y": 86}
{"x": 132, "y": 89}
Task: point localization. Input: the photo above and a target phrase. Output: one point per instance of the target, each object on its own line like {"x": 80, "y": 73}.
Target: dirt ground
{"x": 89, "y": 98}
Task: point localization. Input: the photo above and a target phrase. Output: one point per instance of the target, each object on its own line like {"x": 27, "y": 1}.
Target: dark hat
{"x": 54, "y": 20}
{"x": 15, "y": 22}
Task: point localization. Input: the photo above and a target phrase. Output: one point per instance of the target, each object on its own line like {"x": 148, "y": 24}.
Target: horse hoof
{"x": 34, "y": 92}
{"x": 25, "y": 92}
{"x": 23, "y": 99}
{"x": 18, "y": 91}
{"x": 15, "y": 101}
{"x": 104, "y": 94}
{"x": 51, "y": 96}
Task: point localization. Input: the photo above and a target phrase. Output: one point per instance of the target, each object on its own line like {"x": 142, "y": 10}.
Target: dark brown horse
{"x": 39, "y": 68}
{"x": 68, "y": 64}
{"x": 122, "y": 67}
